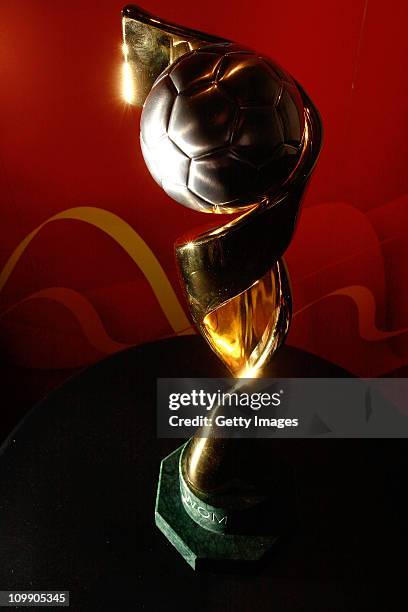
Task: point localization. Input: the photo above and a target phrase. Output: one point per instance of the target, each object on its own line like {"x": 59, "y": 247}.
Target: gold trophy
{"x": 224, "y": 130}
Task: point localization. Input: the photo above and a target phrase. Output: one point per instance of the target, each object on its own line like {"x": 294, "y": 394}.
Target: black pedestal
{"x": 78, "y": 480}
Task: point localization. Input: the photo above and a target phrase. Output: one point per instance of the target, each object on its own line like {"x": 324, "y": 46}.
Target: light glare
{"x": 128, "y": 93}
{"x": 249, "y": 372}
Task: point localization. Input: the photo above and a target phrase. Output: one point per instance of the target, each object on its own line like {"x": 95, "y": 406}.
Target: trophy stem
{"x": 247, "y": 330}
{"x": 224, "y": 130}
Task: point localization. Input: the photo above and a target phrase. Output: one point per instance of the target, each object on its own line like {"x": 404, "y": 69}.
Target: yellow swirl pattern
{"x": 130, "y": 241}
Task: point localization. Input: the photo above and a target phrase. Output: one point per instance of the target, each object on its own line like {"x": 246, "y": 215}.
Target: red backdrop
{"x": 75, "y": 291}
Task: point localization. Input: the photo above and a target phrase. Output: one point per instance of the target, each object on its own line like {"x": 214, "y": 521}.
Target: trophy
{"x": 226, "y": 131}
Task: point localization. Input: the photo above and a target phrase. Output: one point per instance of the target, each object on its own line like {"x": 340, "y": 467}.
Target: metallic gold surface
{"x": 149, "y": 46}
{"x": 227, "y": 472}
{"x": 245, "y": 331}
{"x": 225, "y": 130}
{"x": 219, "y": 264}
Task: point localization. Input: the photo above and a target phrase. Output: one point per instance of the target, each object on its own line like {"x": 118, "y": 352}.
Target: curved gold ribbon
{"x": 132, "y": 243}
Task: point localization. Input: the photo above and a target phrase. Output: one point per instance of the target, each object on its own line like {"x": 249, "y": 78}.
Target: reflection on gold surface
{"x": 128, "y": 89}
{"x": 148, "y": 50}
{"x": 127, "y": 84}
{"x": 245, "y": 331}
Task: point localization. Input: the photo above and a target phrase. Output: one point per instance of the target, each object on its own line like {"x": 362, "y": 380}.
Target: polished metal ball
{"x": 221, "y": 128}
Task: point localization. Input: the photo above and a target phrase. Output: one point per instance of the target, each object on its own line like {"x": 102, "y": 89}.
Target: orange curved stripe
{"x": 85, "y": 314}
{"x": 365, "y": 303}
{"x": 131, "y": 242}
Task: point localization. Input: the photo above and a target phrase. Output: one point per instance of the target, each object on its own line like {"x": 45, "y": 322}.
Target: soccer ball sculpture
{"x": 225, "y": 130}
{"x": 222, "y": 128}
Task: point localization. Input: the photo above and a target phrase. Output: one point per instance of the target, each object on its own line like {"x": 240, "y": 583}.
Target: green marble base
{"x": 200, "y": 547}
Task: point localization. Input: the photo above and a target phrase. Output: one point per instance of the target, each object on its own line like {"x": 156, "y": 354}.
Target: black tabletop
{"x": 78, "y": 480}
